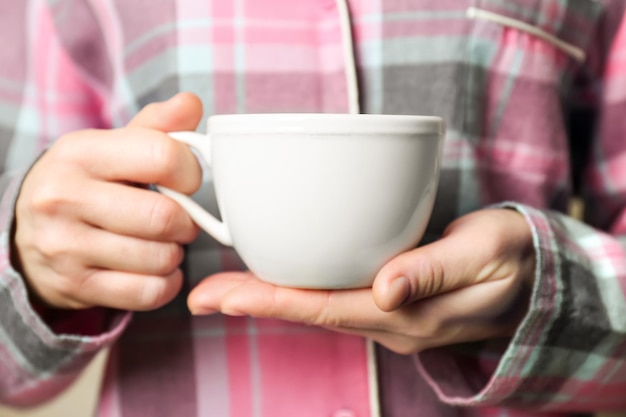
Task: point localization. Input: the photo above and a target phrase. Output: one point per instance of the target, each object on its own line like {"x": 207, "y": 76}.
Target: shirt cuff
{"x": 69, "y": 332}
{"x": 493, "y": 372}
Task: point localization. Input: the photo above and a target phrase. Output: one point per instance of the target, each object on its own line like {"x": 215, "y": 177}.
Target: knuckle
{"x": 49, "y": 199}
{"x": 430, "y": 278}
{"x": 52, "y": 247}
{"x": 69, "y": 147}
{"x": 321, "y": 319}
{"x": 162, "y": 216}
{"x": 164, "y": 156}
{"x": 325, "y": 316}
{"x": 419, "y": 323}
{"x": 168, "y": 258}
{"x": 431, "y": 329}
{"x": 65, "y": 146}
{"x": 428, "y": 329}
{"x": 66, "y": 288}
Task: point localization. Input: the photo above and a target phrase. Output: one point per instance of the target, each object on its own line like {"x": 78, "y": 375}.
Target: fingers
{"x": 422, "y": 273}
{"x": 241, "y": 293}
{"x": 471, "y": 285}
{"x": 481, "y": 311}
{"x": 206, "y": 297}
{"x": 130, "y": 155}
{"x": 63, "y": 272}
{"x": 480, "y": 247}
{"x": 91, "y": 248}
{"x": 118, "y": 208}
{"x": 122, "y": 290}
{"x": 181, "y": 112}
{"x": 123, "y": 253}
{"x": 142, "y": 152}
{"x": 85, "y": 237}
{"x": 141, "y": 213}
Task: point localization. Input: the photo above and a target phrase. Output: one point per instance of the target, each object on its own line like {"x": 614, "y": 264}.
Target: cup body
{"x": 324, "y": 201}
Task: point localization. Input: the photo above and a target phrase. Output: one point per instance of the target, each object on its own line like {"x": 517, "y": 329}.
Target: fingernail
{"x": 202, "y": 311}
{"x": 398, "y": 292}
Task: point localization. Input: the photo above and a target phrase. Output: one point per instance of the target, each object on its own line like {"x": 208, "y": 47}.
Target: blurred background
{"x": 80, "y": 399}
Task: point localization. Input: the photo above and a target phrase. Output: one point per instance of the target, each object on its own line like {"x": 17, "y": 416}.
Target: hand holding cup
{"x": 318, "y": 200}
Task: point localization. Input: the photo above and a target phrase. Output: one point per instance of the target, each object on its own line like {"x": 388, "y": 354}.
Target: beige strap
{"x": 572, "y": 50}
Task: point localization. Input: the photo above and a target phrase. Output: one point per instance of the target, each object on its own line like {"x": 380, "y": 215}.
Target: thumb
{"x": 483, "y": 246}
{"x": 421, "y": 273}
{"x": 181, "y": 112}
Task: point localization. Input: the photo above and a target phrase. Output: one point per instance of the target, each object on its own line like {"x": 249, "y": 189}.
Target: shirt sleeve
{"x": 43, "y": 94}
{"x": 569, "y": 353}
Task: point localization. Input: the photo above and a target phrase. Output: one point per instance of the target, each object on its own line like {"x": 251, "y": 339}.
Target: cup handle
{"x": 199, "y": 215}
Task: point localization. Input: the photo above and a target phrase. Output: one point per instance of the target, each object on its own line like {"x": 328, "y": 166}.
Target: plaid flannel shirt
{"x": 504, "y": 73}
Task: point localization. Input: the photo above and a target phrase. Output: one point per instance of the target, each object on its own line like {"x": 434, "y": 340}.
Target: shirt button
{"x": 344, "y": 413}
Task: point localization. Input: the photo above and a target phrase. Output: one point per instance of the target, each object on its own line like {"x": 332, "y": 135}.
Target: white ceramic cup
{"x": 318, "y": 200}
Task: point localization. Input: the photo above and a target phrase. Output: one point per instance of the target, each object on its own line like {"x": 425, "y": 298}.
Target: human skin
{"x": 89, "y": 234}
{"x": 87, "y": 230}
{"x": 472, "y": 284}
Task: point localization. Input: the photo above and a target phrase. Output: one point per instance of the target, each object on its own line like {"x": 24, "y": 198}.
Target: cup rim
{"x": 325, "y": 124}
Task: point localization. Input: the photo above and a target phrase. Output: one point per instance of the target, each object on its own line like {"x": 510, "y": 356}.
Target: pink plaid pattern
{"x": 84, "y": 64}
